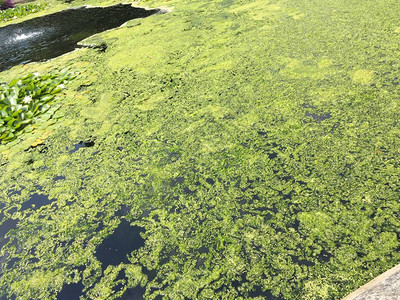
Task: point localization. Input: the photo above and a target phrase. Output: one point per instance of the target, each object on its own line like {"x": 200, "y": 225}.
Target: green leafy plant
{"x": 20, "y": 11}
{"x": 27, "y": 100}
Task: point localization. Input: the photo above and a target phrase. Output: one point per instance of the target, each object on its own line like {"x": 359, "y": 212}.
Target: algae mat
{"x": 226, "y": 150}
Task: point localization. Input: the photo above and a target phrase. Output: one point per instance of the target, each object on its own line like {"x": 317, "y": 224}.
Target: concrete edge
{"x": 372, "y": 283}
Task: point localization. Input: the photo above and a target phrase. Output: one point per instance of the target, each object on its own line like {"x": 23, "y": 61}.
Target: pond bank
{"x": 385, "y": 286}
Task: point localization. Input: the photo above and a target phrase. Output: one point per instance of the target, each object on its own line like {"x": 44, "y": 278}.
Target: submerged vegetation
{"x": 234, "y": 149}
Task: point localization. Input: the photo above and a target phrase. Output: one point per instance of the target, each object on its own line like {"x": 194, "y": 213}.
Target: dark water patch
{"x": 324, "y": 256}
{"x": 12, "y": 262}
{"x": 121, "y": 278}
{"x": 12, "y": 192}
{"x": 308, "y": 105}
{"x": 200, "y": 263}
{"x": 81, "y": 145}
{"x": 36, "y": 201}
{"x": 258, "y": 292}
{"x": 71, "y": 291}
{"x": 5, "y": 227}
{"x": 173, "y": 156}
{"x": 302, "y": 262}
{"x": 123, "y": 211}
{"x": 262, "y": 133}
{"x": 210, "y": 181}
{"x": 318, "y": 118}
{"x": 122, "y": 242}
{"x": 296, "y": 224}
{"x": 344, "y": 202}
{"x": 55, "y": 34}
{"x": 7, "y": 297}
{"x": 272, "y": 155}
{"x": 176, "y": 181}
{"x": 136, "y": 293}
{"x": 188, "y": 191}
{"x": 58, "y": 178}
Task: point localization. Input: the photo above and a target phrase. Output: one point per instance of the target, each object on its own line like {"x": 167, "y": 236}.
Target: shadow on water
{"x": 123, "y": 241}
{"x": 53, "y": 35}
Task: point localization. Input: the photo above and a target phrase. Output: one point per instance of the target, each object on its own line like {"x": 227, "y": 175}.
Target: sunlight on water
{"x": 27, "y": 36}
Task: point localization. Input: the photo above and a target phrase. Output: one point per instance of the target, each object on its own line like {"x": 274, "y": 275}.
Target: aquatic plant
{"x": 6, "y": 4}
{"x": 20, "y": 11}
{"x": 27, "y": 99}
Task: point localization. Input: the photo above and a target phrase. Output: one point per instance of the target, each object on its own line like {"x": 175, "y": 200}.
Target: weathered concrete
{"x": 384, "y": 287}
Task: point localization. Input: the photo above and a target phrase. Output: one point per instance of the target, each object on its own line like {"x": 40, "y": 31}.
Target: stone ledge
{"x": 384, "y": 287}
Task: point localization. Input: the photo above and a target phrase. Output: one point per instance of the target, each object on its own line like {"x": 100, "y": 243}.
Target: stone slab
{"x": 384, "y": 287}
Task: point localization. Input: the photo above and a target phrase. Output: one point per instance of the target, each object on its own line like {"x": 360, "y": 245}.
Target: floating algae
{"x": 240, "y": 194}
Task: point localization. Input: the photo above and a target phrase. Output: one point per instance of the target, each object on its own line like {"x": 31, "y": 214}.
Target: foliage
{"x": 20, "y": 11}
{"x": 26, "y": 99}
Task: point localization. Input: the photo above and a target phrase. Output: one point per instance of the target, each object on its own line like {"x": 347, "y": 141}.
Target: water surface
{"x": 55, "y": 34}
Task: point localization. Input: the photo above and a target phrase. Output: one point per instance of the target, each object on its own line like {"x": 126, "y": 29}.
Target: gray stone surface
{"x": 384, "y": 287}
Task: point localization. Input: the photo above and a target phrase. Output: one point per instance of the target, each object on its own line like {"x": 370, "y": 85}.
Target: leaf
{"x": 44, "y": 108}
{"x": 9, "y": 137}
{"x": 12, "y": 98}
{"x": 10, "y": 123}
{"x": 47, "y": 98}
{"x": 3, "y": 136}
{"x": 13, "y": 82}
{"x": 55, "y": 90}
{"x": 30, "y": 86}
{"x": 17, "y": 125}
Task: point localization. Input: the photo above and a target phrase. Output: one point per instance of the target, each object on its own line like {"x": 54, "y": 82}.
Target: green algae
{"x": 201, "y": 132}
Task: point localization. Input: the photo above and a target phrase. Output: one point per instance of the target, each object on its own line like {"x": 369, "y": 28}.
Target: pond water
{"x": 53, "y": 35}
{"x": 122, "y": 242}
{"x": 81, "y": 145}
{"x": 36, "y": 201}
{"x": 113, "y": 251}
{"x": 5, "y": 227}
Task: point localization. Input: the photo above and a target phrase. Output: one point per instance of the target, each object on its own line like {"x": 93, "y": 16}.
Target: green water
{"x": 255, "y": 143}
